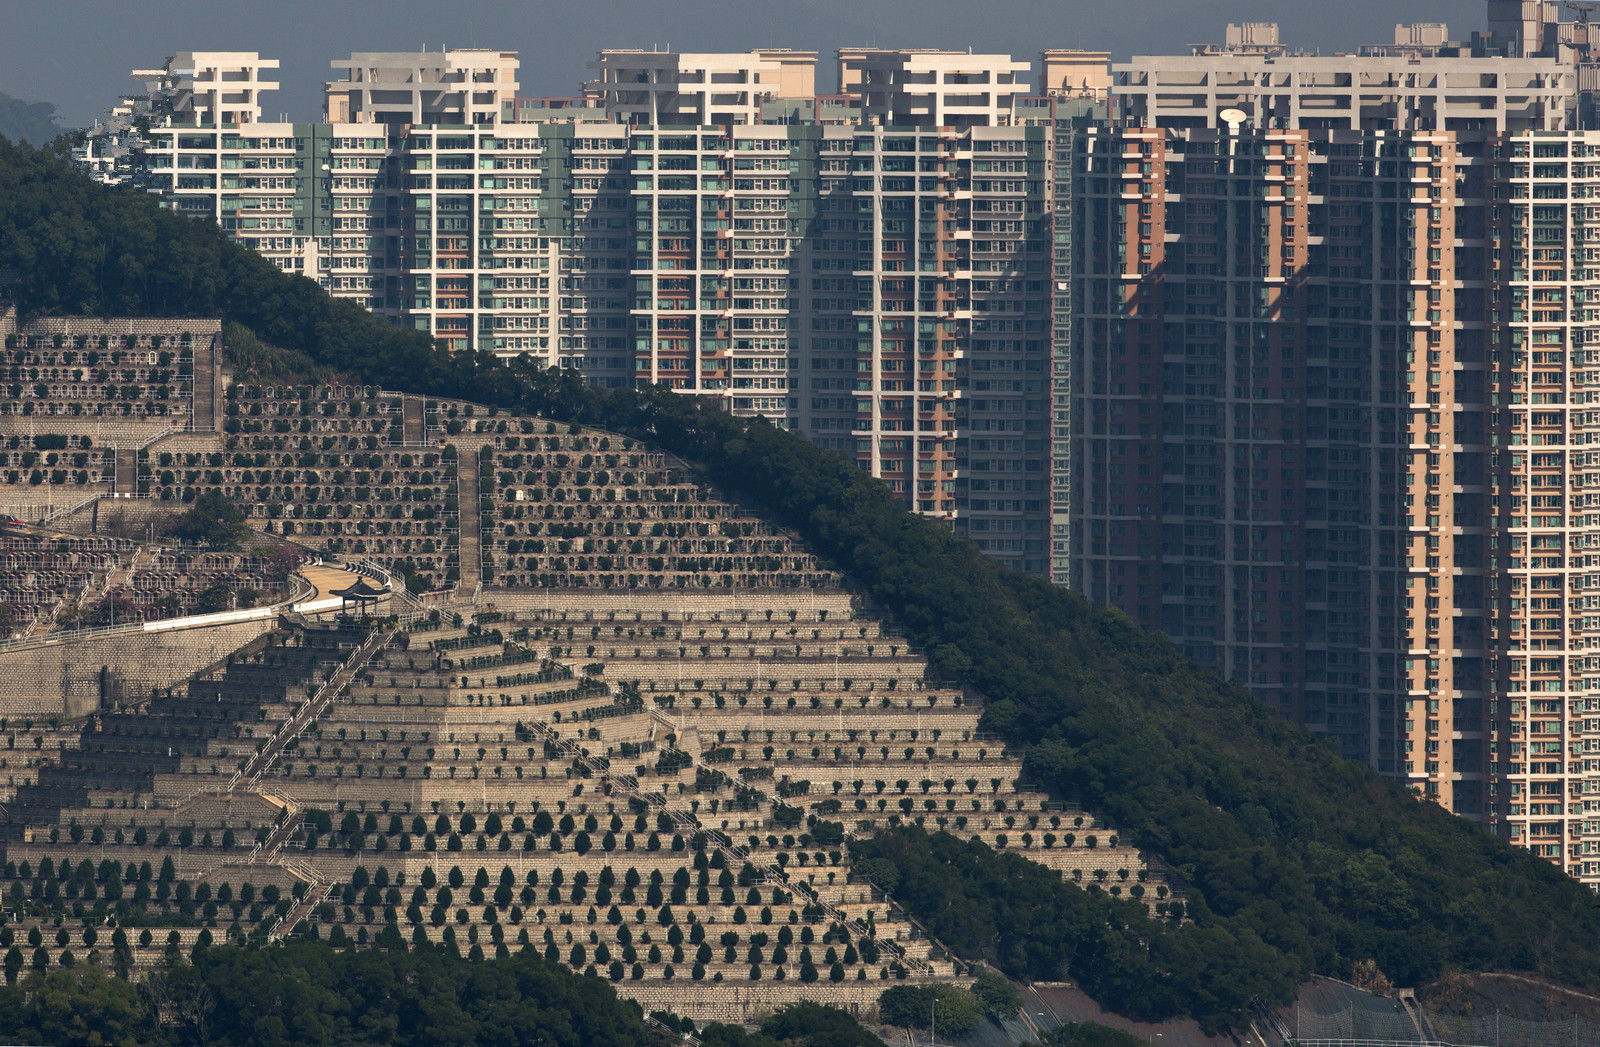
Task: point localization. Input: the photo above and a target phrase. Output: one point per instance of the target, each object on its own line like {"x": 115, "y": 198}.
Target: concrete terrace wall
{"x": 33, "y": 503}
{"x": 93, "y": 327}
{"x": 136, "y": 516}
{"x": 676, "y": 606}
{"x": 76, "y": 678}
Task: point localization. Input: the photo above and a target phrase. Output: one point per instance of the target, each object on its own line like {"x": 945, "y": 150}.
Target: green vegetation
{"x": 1289, "y": 858}
{"x": 947, "y": 1008}
{"x": 1090, "y": 1034}
{"x": 999, "y": 997}
{"x": 797, "y": 1025}
{"x": 214, "y": 519}
{"x": 254, "y": 361}
{"x": 312, "y": 993}
{"x": 1022, "y": 917}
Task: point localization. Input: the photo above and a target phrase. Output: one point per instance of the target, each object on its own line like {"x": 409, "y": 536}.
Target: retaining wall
{"x": 76, "y": 678}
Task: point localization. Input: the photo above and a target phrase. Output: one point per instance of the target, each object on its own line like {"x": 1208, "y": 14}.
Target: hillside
{"x": 1290, "y": 859}
{"x": 660, "y": 699}
{"x": 316, "y": 994}
{"x": 23, "y": 121}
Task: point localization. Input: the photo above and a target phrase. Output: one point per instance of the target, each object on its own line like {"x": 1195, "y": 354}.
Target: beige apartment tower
{"x": 697, "y": 90}
{"x": 422, "y": 87}
{"x": 211, "y": 87}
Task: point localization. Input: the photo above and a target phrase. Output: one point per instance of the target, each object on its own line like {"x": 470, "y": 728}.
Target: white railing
{"x": 162, "y": 434}
{"x": 311, "y": 708}
{"x": 286, "y": 923}
{"x": 193, "y": 621}
{"x": 688, "y": 1038}
{"x": 57, "y": 514}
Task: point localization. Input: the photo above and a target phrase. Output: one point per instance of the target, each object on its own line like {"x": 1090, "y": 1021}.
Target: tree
{"x": 999, "y": 997}
{"x": 950, "y": 1008}
{"x": 32, "y": 122}
{"x": 808, "y": 1024}
{"x": 214, "y": 519}
{"x": 879, "y": 871}
{"x": 82, "y": 1004}
{"x": 1090, "y": 1034}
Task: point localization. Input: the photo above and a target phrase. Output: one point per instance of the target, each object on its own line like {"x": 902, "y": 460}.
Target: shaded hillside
{"x": 312, "y": 993}
{"x": 1293, "y": 859}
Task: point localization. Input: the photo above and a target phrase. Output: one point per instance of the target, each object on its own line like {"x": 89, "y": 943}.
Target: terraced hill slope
{"x": 647, "y": 755}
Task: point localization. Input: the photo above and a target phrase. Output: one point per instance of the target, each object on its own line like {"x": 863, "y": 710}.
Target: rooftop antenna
{"x": 1583, "y": 9}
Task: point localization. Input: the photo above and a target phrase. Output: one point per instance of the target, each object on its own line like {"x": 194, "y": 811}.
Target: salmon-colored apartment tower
{"x": 1333, "y": 407}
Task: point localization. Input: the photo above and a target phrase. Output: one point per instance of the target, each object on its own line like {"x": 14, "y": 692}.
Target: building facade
{"x": 932, "y": 87}
{"x": 1331, "y": 368}
{"x": 668, "y": 88}
{"x": 426, "y": 87}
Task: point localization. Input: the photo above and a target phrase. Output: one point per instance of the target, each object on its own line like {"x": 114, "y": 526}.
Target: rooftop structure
{"x": 209, "y": 87}
{"x": 1074, "y": 73}
{"x": 1348, "y": 92}
{"x": 1421, "y": 34}
{"x": 525, "y": 110}
{"x": 668, "y": 88}
{"x": 930, "y": 87}
{"x": 1524, "y": 27}
{"x": 463, "y": 86}
{"x": 1245, "y": 38}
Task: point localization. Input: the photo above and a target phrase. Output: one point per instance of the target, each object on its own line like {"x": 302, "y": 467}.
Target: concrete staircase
{"x": 413, "y": 419}
{"x": 123, "y": 575}
{"x": 317, "y": 891}
{"x": 470, "y": 538}
{"x": 250, "y": 776}
{"x": 205, "y": 388}
{"x": 126, "y": 481}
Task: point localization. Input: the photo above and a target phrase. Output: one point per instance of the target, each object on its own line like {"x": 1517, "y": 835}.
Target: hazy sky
{"x": 76, "y": 53}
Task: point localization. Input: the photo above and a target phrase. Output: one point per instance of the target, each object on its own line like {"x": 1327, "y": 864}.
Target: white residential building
{"x": 221, "y": 87}
{"x": 666, "y": 88}
{"x": 932, "y": 88}
{"x": 466, "y": 86}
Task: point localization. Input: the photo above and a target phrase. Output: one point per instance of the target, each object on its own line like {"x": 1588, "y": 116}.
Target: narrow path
{"x": 306, "y": 715}
{"x": 317, "y": 891}
{"x": 205, "y": 388}
{"x": 126, "y": 480}
{"x": 413, "y": 420}
{"x": 470, "y": 536}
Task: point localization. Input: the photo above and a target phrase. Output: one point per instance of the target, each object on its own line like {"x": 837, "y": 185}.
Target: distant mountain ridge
{"x": 31, "y": 122}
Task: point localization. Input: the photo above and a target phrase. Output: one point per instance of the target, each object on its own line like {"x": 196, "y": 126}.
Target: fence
{"x": 1384, "y": 1023}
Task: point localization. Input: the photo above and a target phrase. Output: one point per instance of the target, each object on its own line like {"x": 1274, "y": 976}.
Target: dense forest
{"x": 1031, "y": 924}
{"x": 1290, "y": 859}
{"x": 311, "y": 993}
